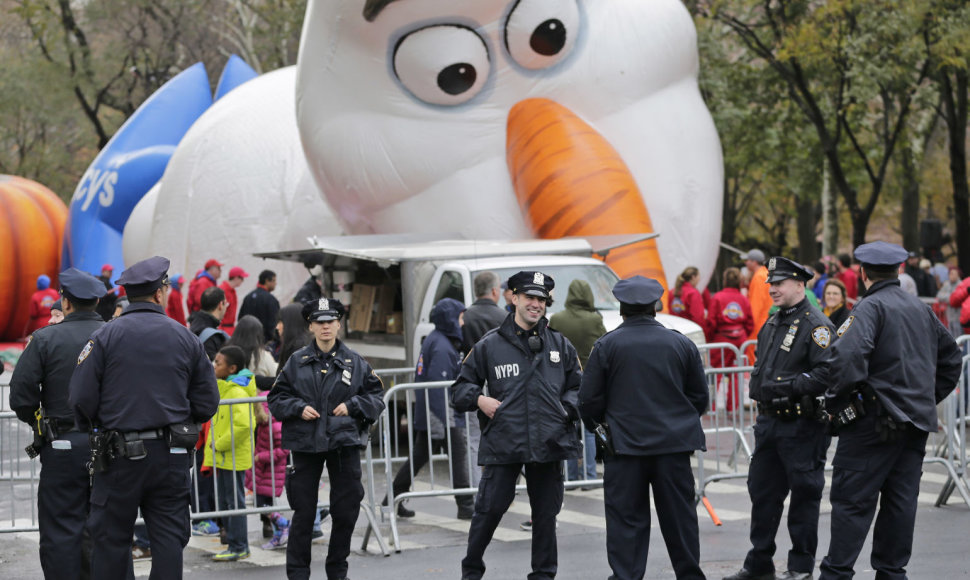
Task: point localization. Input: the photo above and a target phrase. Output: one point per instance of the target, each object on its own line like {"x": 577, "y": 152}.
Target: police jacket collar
{"x": 510, "y": 330}
{"x": 143, "y": 307}
{"x": 315, "y": 354}
{"x": 82, "y": 315}
{"x": 640, "y": 320}
{"x": 881, "y": 285}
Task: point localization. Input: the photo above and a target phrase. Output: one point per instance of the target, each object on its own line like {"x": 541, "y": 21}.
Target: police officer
{"x": 791, "y": 438}
{"x": 893, "y": 363}
{"x": 326, "y": 396}
{"x": 38, "y": 394}
{"x": 142, "y": 385}
{"x": 652, "y": 406}
{"x": 523, "y": 378}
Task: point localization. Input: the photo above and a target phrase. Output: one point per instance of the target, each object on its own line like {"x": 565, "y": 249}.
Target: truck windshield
{"x": 601, "y": 279}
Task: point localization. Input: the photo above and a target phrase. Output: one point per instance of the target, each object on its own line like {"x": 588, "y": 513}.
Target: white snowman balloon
{"x": 514, "y": 118}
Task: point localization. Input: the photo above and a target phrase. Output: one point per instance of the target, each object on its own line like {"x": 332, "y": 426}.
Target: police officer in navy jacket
{"x": 139, "y": 377}
{"x": 326, "y": 396}
{"x": 895, "y": 361}
{"x": 647, "y": 384}
{"x": 523, "y": 378}
{"x": 40, "y": 382}
{"x": 791, "y": 437}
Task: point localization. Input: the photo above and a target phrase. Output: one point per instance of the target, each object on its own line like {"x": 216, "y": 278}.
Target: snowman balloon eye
{"x": 442, "y": 64}
{"x": 541, "y": 33}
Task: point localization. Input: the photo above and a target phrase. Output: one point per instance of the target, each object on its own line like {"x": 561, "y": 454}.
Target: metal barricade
{"x": 442, "y": 486}
{"x": 18, "y": 476}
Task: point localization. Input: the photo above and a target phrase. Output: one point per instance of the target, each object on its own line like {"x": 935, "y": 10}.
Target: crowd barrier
{"x": 727, "y": 426}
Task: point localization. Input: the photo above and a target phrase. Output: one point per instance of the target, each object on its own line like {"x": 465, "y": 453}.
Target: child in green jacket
{"x": 229, "y": 446}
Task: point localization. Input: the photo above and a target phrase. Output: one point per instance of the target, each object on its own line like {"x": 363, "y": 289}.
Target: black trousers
{"x": 866, "y": 471}
{"x": 627, "y": 482}
{"x": 789, "y": 457}
{"x": 159, "y": 485}
{"x": 495, "y": 493}
{"x": 62, "y": 508}
{"x": 302, "y": 489}
{"x": 459, "y": 463}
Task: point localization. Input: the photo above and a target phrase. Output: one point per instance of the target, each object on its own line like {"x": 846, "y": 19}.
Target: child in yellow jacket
{"x": 229, "y": 446}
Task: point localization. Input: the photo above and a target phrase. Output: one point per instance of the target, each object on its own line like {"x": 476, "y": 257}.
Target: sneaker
{"x": 230, "y": 556}
{"x": 526, "y": 526}
{"x": 280, "y": 537}
{"x": 139, "y": 553}
{"x": 205, "y": 528}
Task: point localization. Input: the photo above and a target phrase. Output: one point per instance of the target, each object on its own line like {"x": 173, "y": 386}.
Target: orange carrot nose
{"x": 571, "y": 182}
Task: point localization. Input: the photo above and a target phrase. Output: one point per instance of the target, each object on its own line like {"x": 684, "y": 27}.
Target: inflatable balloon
{"x": 505, "y": 118}
{"x": 236, "y": 73}
{"x": 31, "y": 228}
{"x": 237, "y": 184}
{"x": 127, "y": 168}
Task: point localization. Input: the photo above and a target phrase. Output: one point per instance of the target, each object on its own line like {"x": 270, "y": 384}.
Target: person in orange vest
{"x": 758, "y": 296}
{"x": 236, "y": 277}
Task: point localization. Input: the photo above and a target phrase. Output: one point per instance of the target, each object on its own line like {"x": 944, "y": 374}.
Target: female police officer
{"x": 326, "y": 396}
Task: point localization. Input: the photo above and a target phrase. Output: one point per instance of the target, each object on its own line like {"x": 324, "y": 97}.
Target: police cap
{"x": 638, "y": 291}
{"x": 782, "y": 268}
{"x": 323, "y": 310}
{"x": 881, "y": 254}
{"x": 79, "y": 285}
{"x": 145, "y": 277}
{"x": 532, "y": 283}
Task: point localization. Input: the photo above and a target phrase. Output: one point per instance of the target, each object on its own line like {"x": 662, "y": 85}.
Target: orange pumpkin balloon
{"x": 32, "y": 221}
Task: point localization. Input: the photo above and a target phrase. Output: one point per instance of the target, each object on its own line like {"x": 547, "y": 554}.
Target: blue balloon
{"x": 236, "y": 73}
{"x": 129, "y": 165}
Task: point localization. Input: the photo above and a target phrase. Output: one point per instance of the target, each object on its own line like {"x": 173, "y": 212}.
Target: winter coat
{"x": 688, "y": 305}
{"x": 228, "y": 323}
{"x": 201, "y": 320}
{"x": 579, "y": 321}
{"x": 538, "y": 391}
{"x": 269, "y": 482}
{"x": 232, "y": 427}
{"x": 483, "y": 315}
{"x": 324, "y": 380}
{"x": 202, "y": 282}
{"x": 40, "y": 309}
{"x": 174, "y": 308}
{"x": 439, "y": 361}
{"x": 729, "y": 319}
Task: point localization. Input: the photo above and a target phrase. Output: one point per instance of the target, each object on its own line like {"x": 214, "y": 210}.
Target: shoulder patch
{"x": 822, "y": 336}
{"x": 845, "y": 326}
{"x": 85, "y": 352}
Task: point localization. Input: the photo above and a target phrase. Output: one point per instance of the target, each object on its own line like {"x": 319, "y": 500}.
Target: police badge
{"x": 324, "y": 304}
{"x": 554, "y": 356}
{"x": 539, "y": 279}
{"x": 771, "y": 265}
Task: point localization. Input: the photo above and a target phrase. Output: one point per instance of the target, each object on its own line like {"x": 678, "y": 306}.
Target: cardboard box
{"x": 395, "y": 323}
{"x": 361, "y": 307}
{"x": 383, "y": 307}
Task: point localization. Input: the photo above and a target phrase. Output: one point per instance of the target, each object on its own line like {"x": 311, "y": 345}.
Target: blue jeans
{"x": 230, "y": 499}
{"x": 574, "y": 466}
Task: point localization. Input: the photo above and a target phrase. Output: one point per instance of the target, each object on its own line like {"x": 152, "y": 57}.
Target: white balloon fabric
{"x": 237, "y": 184}
{"x": 404, "y": 107}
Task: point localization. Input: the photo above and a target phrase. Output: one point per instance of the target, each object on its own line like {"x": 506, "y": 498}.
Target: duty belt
{"x": 144, "y": 435}
{"x": 65, "y": 425}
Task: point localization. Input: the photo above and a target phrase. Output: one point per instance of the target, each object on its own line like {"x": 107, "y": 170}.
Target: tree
{"x": 946, "y": 40}
{"x": 851, "y": 67}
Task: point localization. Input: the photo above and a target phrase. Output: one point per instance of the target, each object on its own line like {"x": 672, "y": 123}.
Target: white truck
{"x": 413, "y": 272}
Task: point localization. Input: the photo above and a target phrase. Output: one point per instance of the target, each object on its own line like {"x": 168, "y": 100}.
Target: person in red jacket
{"x": 174, "y": 308}
{"x": 729, "y": 319}
{"x": 236, "y": 277}
{"x": 685, "y": 301}
{"x": 207, "y": 278}
{"x": 40, "y": 304}
{"x": 848, "y": 277}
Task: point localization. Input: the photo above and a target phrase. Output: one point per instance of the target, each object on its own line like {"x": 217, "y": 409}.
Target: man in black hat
{"x": 326, "y": 396}
{"x": 652, "y": 406}
{"x": 142, "y": 385}
{"x": 791, "y": 438}
{"x": 39, "y": 396}
{"x": 523, "y": 379}
{"x": 893, "y": 363}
